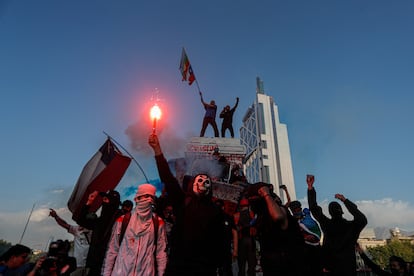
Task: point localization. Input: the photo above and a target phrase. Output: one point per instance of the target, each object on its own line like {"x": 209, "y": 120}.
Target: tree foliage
{"x": 4, "y": 245}
{"x": 381, "y": 254}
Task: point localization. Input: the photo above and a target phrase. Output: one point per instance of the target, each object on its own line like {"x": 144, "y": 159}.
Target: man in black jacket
{"x": 101, "y": 227}
{"x": 340, "y": 235}
{"x": 197, "y": 237}
{"x": 227, "y": 115}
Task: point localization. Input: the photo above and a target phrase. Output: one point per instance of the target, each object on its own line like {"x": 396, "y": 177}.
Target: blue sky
{"x": 340, "y": 72}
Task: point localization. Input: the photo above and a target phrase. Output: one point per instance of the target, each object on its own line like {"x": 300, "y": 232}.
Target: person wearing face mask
{"x": 197, "y": 239}
{"x": 143, "y": 248}
{"x": 340, "y": 235}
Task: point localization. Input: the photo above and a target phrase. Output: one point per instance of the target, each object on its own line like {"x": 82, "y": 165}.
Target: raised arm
{"x": 374, "y": 267}
{"x": 201, "y": 98}
{"x": 275, "y": 211}
{"x": 288, "y": 200}
{"x": 58, "y": 219}
{"x": 313, "y": 205}
{"x": 171, "y": 183}
{"x": 237, "y": 103}
{"x": 359, "y": 218}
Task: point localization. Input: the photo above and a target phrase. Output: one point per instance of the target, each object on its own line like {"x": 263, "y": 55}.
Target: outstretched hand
{"x": 340, "y": 197}
{"x": 310, "y": 179}
{"x": 52, "y": 213}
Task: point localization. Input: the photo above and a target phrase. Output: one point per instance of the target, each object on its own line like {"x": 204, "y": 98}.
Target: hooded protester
{"x": 143, "y": 248}
{"x": 340, "y": 235}
{"x": 101, "y": 227}
{"x": 197, "y": 239}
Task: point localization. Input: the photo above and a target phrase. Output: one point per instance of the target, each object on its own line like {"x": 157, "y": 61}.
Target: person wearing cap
{"x": 101, "y": 227}
{"x": 142, "y": 250}
{"x": 340, "y": 235}
{"x": 197, "y": 239}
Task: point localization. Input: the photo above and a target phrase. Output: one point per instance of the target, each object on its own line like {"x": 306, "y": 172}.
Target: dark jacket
{"x": 227, "y": 116}
{"x": 281, "y": 249}
{"x": 197, "y": 237}
{"x": 340, "y": 236}
{"x": 102, "y": 229}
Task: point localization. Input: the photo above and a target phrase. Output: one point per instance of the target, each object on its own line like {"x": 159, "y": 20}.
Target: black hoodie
{"x": 197, "y": 238}
{"x": 101, "y": 230}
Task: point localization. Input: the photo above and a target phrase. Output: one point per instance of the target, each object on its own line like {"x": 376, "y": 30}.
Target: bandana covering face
{"x": 201, "y": 184}
{"x": 143, "y": 215}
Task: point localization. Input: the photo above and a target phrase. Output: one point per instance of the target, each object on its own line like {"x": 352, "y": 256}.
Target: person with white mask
{"x": 197, "y": 244}
{"x": 142, "y": 250}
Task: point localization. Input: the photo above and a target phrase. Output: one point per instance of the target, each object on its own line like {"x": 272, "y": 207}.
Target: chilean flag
{"x": 102, "y": 173}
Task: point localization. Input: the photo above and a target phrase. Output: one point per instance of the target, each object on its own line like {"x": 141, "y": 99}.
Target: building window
{"x": 261, "y": 120}
{"x": 266, "y": 174}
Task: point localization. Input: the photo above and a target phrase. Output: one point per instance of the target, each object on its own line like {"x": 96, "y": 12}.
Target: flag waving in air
{"x": 186, "y": 69}
{"x": 102, "y": 173}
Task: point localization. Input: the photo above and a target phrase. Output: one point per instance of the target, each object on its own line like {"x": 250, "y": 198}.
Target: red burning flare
{"x": 155, "y": 115}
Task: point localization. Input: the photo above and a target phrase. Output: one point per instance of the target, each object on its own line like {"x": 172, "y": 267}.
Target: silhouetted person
{"x": 227, "y": 116}
{"x": 209, "y": 116}
{"x": 340, "y": 235}
{"x": 244, "y": 220}
{"x": 279, "y": 234}
{"x": 101, "y": 227}
{"x": 197, "y": 238}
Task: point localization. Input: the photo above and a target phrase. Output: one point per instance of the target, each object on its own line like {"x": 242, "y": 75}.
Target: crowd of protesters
{"x": 186, "y": 231}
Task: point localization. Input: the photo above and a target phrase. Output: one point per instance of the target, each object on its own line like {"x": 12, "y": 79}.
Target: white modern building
{"x": 267, "y": 145}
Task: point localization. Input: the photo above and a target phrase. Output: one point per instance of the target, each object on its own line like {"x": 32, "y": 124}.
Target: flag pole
{"x": 27, "y": 222}
{"x": 130, "y": 155}
{"x": 196, "y": 81}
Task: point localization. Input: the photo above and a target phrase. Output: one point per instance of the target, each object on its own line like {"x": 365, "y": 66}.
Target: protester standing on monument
{"x": 227, "y": 115}
{"x": 209, "y": 116}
